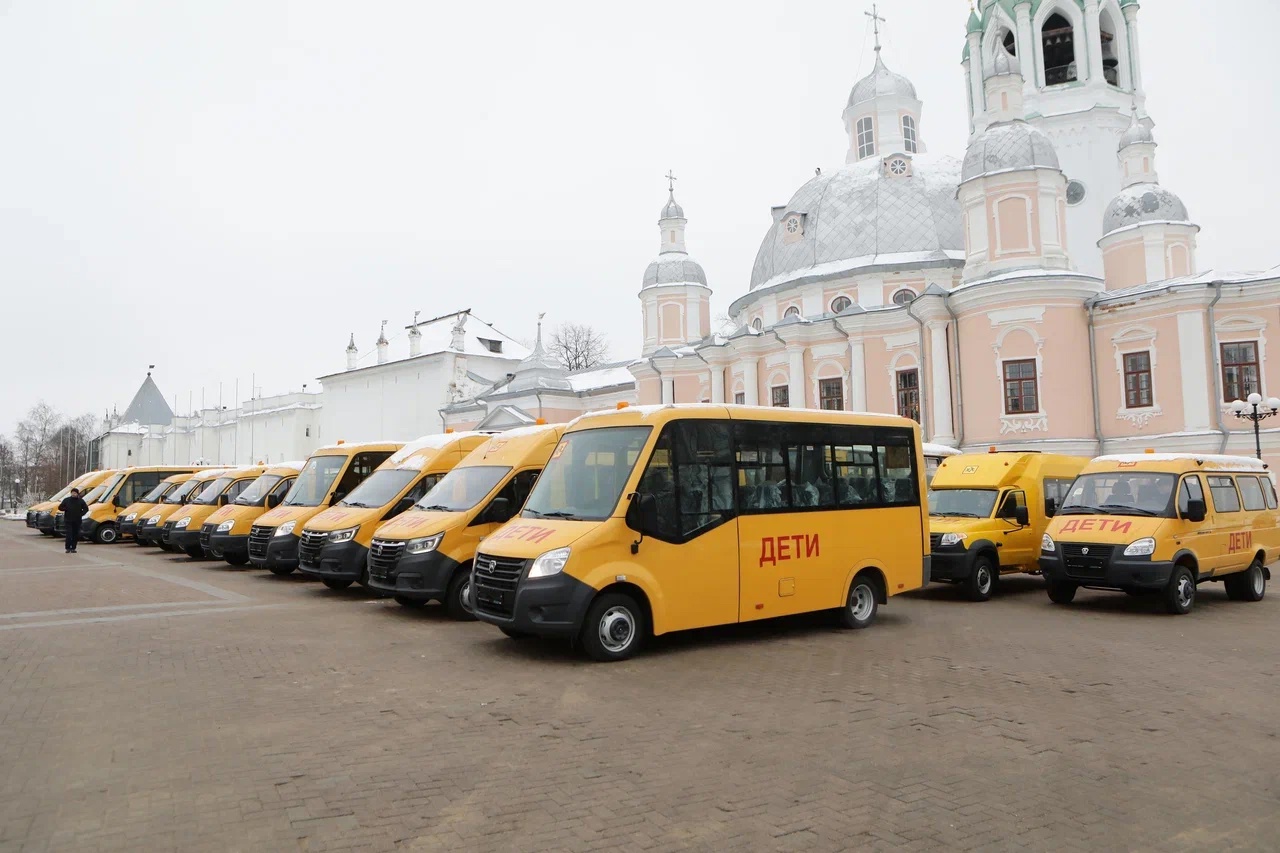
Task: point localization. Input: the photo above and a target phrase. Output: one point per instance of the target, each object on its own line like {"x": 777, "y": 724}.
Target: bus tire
{"x": 336, "y": 583}
{"x": 195, "y": 552}
{"x": 106, "y": 534}
{"x": 1180, "y": 594}
{"x": 614, "y": 629}
{"x": 282, "y": 570}
{"x": 859, "y": 609}
{"x": 457, "y": 599}
{"x": 1249, "y": 585}
{"x": 982, "y": 580}
{"x": 1061, "y": 592}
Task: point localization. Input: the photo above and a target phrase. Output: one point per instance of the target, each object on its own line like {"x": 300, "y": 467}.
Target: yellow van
{"x": 1161, "y": 523}
{"x": 44, "y": 510}
{"x": 652, "y": 519}
{"x": 987, "y": 512}
{"x": 426, "y": 553}
{"x": 127, "y": 520}
{"x": 335, "y": 544}
{"x": 150, "y": 529}
{"x": 123, "y": 488}
{"x": 329, "y": 476}
{"x": 181, "y": 529}
{"x": 225, "y": 534}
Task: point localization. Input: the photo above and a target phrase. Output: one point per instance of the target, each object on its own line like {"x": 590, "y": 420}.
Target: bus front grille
{"x": 495, "y": 582}
{"x": 259, "y": 539}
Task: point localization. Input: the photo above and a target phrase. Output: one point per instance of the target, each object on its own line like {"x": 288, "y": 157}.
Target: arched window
{"x": 757, "y": 324}
{"x": 866, "y": 138}
{"x": 1010, "y": 43}
{"x": 1058, "y": 40}
{"x": 840, "y": 304}
{"x": 1110, "y": 56}
{"x": 909, "y": 134}
{"x": 793, "y": 311}
{"x": 904, "y": 296}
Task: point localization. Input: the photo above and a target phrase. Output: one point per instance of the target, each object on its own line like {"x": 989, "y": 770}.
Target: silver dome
{"x": 1008, "y": 146}
{"x": 1143, "y": 203}
{"x": 879, "y": 83}
{"x": 672, "y": 210}
{"x": 1004, "y": 63}
{"x": 1136, "y": 133}
{"x": 674, "y": 268}
{"x": 858, "y": 215}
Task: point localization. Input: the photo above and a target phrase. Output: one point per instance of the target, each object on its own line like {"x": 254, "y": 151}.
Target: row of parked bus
{"x": 645, "y": 520}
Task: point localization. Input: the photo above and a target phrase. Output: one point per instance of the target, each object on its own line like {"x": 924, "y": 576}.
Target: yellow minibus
{"x": 1162, "y": 523}
{"x": 123, "y": 488}
{"x": 44, "y": 510}
{"x": 150, "y": 529}
{"x": 127, "y": 520}
{"x": 652, "y": 519}
{"x": 426, "y": 553}
{"x": 225, "y": 534}
{"x": 182, "y": 529}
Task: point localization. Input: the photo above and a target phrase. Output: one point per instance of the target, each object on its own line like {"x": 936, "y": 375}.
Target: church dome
{"x": 672, "y": 209}
{"x": 881, "y": 82}
{"x": 1143, "y": 203}
{"x": 1008, "y": 147}
{"x": 1136, "y": 133}
{"x": 1004, "y": 63}
{"x": 864, "y": 215}
{"x": 674, "y": 268}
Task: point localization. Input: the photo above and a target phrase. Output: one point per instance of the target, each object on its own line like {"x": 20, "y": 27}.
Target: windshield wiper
{"x": 957, "y": 514}
{"x": 1126, "y": 509}
{"x": 436, "y": 508}
{"x": 556, "y": 514}
{"x": 355, "y": 503}
{"x": 1077, "y": 510}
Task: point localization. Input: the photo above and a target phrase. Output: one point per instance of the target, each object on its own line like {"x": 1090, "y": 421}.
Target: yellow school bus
{"x": 123, "y": 488}
{"x": 40, "y": 515}
{"x": 225, "y": 534}
{"x": 127, "y": 520}
{"x": 987, "y": 512}
{"x": 329, "y": 476}
{"x": 150, "y": 529}
{"x": 426, "y": 553}
{"x": 182, "y": 529}
{"x": 653, "y": 519}
{"x": 335, "y": 544}
{"x": 1161, "y": 523}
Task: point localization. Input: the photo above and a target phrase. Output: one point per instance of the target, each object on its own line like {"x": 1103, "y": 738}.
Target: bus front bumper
{"x": 281, "y": 553}
{"x": 1115, "y": 572}
{"x": 44, "y": 522}
{"x": 417, "y": 577}
{"x": 344, "y": 561}
{"x": 230, "y": 545}
{"x": 951, "y": 563}
{"x": 183, "y": 538}
{"x": 148, "y": 534}
{"x": 544, "y": 607}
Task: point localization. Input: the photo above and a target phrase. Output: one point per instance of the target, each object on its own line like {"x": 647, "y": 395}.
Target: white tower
{"x": 1082, "y": 70}
{"x": 883, "y": 113}
{"x": 674, "y": 297}
{"x": 353, "y": 354}
{"x": 384, "y": 346}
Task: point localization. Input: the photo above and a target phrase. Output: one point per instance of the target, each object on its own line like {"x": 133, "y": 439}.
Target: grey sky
{"x": 223, "y": 188}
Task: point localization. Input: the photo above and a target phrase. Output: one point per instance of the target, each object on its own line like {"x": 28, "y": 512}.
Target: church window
{"x": 1058, "y": 41}
{"x": 831, "y": 394}
{"x": 793, "y": 224}
{"x": 866, "y": 138}
{"x": 1021, "y": 388}
{"x": 1240, "y": 370}
{"x": 904, "y": 296}
{"x": 1075, "y": 192}
{"x": 793, "y": 311}
{"x": 740, "y": 398}
{"x": 908, "y": 136}
{"x": 1110, "y": 60}
{"x": 907, "y": 386}
{"x": 898, "y": 166}
{"x": 1137, "y": 380}
{"x": 1010, "y": 43}
{"x": 780, "y": 396}
{"x": 841, "y": 303}
{"x": 757, "y": 324}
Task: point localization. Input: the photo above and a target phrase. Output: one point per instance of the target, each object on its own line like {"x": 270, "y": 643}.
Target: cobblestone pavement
{"x": 148, "y": 702}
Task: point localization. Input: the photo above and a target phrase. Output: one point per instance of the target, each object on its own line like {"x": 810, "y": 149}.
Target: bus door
{"x": 694, "y": 553}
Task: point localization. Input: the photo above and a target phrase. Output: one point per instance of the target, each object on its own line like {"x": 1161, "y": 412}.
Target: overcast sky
{"x": 227, "y": 188}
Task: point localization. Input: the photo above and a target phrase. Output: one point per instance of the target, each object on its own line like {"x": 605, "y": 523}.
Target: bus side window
{"x": 1251, "y": 493}
{"x": 1269, "y": 492}
{"x": 1190, "y": 490}
{"x": 1013, "y": 500}
{"x": 1225, "y": 498}
{"x": 896, "y": 461}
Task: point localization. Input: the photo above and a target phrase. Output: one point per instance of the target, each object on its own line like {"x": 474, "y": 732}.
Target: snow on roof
{"x": 437, "y": 337}
{"x": 208, "y": 474}
{"x": 939, "y": 450}
{"x": 517, "y": 432}
{"x": 1200, "y": 279}
{"x": 651, "y": 409}
{"x": 1217, "y": 461}
{"x": 355, "y": 445}
{"x": 129, "y": 429}
{"x": 603, "y": 377}
{"x": 296, "y": 466}
{"x": 253, "y": 413}
{"x": 403, "y": 458}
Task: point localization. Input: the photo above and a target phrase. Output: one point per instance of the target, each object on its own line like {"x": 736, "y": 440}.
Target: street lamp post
{"x": 14, "y": 497}
{"x": 1254, "y": 409}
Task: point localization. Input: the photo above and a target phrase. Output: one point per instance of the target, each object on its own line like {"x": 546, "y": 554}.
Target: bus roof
{"x": 939, "y": 450}
{"x": 671, "y": 411}
{"x": 418, "y": 454}
{"x": 284, "y": 469}
{"x": 1177, "y": 462}
{"x": 347, "y": 448}
{"x": 514, "y": 446}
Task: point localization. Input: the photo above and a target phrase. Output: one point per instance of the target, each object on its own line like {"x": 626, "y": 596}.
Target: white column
{"x": 717, "y": 384}
{"x": 857, "y": 377}
{"x": 940, "y": 384}
{"x": 668, "y": 391}
{"x": 1135, "y": 60}
{"x": 1093, "y": 37}
{"x": 1027, "y": 52}
{"x": 1153, "y": 244}
{"x": 751, "y": 381}
{"x": 795, "y": 378}
{"x": 1195, "y": 364}
{"x": 975, "y": 77}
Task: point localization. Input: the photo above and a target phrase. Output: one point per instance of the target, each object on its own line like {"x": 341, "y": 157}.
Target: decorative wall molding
{"x": 1022, "y": 424}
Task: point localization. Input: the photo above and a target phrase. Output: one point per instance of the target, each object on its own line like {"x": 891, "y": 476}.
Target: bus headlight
{"x": 953, "y": 538}
{"x": 225, "y": 527}
{"x": 423, "y": 545}
{"x": 347, "y": 535}
{"x": 550, "y": 563}
{"x": 1141, "y": 548}
{"x": 1047, "y": 544}
{"x": 183, "y": 522}
{"x": 131, "y": 516}
{"x": 285, "y": 529}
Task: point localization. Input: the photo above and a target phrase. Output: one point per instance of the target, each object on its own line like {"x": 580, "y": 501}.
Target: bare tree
{"x": 35, "y": 438}
{"x": 578, "y": 346}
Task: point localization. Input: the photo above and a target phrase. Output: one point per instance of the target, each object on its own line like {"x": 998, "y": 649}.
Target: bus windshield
{"x": 107, "y": 488}
{"x": 92, "y": 496}
{"x": 966, "y": 503}
{"x": 155, "y": 494}
{"x": 586, "y": 474}
{"x": 380, "y": 488}
{"x": 209, "y": 494}
{"x": 463, "y": 488}
{"x": 179, "y": 494}
{"x": 257, "y": 490}
{"x": 313, "y": 484}
{"x": 1129, "y": 493}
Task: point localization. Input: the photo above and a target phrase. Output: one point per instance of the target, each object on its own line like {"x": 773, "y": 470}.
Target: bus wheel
{"x": 195, "y": 552}
{"x": 106, "y": 534}
{"x": 1249, "y": 585}
{"x": 282, "y": 570}
{"x": 1180, "y": 594}
{"x": 614, "y": 628}
{"x": 982, "y": 580}
{"x": 860, "y": 610}
{"x": 457, "y": 600}
{"x": 336, "y": 583}
{"x": 1061, "y": 592}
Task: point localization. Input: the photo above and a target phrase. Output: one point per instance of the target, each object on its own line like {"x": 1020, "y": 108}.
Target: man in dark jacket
{"x": 73, "y": 509}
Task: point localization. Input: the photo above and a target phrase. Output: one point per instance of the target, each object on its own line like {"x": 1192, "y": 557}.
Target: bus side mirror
{"x": 642, "y": 517}
{"x": 1022, "y": 516}
{"x": 1050, "y": 507}
{"x": 118, "y": 500}
{"x": 273, "y": 501}
{"x": 499, "y": 510}
{"x": 1196, "y": 511}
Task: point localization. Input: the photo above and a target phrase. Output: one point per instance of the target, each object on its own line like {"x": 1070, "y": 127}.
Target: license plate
{"x": 497, "y": 599}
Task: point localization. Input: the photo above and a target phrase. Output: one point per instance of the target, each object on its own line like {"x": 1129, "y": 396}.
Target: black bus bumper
{"x": 1115, "y": 572}
{"x": 544, "y": 607}
{"x": 230, "y": 545}
{"x": 417, "y": 577}
{"x": 281, "y": 553}
{"x": 344, "y": 561}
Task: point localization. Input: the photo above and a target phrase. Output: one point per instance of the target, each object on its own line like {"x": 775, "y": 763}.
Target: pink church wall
{"x": 648, "y": 391}
{"x": 704, "y": 316}
{"x": 1014, "y": 218}
{"x": 1125, "y": 263}
{"x": 1132, "y": 333}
